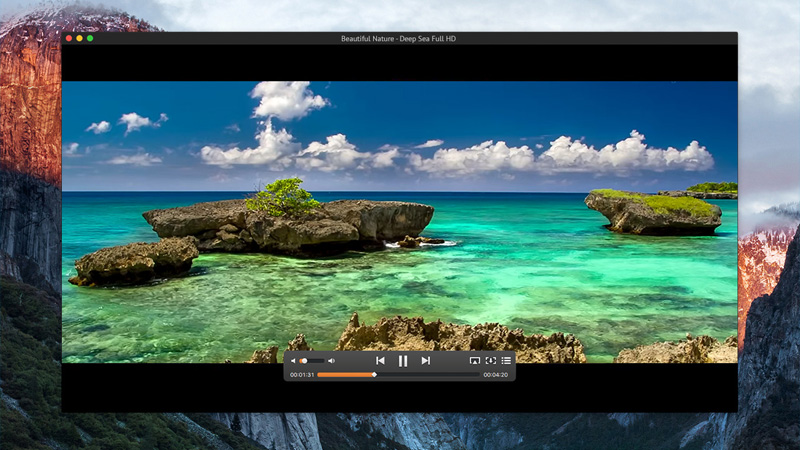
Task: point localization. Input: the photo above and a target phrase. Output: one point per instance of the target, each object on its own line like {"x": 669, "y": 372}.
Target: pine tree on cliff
{"x": 236, "y": 424}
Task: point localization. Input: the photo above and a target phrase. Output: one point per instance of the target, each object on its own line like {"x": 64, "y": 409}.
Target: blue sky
{"x": 499, "y": 136}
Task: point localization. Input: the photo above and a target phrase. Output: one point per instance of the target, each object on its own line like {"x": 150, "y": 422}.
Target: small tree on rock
{"x": 283, "y": 198}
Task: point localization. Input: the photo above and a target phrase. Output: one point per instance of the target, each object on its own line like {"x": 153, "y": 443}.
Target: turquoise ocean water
{"x": 540, "y": 262}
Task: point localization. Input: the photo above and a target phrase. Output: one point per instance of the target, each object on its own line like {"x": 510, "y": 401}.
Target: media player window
{"x": 547, "y": 219}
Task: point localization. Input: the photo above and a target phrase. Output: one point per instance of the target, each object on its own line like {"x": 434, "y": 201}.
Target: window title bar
{"x": 402, "y": 38}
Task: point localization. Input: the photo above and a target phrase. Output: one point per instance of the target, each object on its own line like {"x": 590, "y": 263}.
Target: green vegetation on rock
{"x": 613, "y": 193}
{"x": 283, "y": 198}
{"x": 662, "y": 204}
{"x": 666, "y": 205}
{"x": 727, "y": 188}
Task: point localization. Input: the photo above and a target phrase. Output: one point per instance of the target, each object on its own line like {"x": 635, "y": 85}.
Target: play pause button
{"x": 402, "y": 361}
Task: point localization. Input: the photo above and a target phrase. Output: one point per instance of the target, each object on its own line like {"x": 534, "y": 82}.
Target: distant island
{"x": 707, "y": 191}
{"x": 729, "y": 188}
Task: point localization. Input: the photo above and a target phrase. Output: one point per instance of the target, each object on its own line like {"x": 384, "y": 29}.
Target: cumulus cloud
{"x": 430, "y": 143}
{"x": 382, "y": 160}
{"x": 70, "y": 149}
{"x": 539, "y": 146}
{"x": 275, "y": 147}
{"x": 98, "y": 128}
{"x": 139, "y": 159}
{"x": 335, "y": 154}
{"x": 285, "y": 100}
{"x": 566, "y": 155}
{"x": 133, "y": 122}
{"x": 485, "y": 157}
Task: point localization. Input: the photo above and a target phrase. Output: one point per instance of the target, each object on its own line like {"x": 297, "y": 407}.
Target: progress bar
{"x": 347, "y": 374}
{"x": 395, "y": 374}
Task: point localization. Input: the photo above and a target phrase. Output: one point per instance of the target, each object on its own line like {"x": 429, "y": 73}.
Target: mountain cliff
{"x": 761, "y": 257}
{"x": 30, "y": 83}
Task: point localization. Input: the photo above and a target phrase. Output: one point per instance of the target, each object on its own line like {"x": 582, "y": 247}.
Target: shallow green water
{"x": 540, "y": 262}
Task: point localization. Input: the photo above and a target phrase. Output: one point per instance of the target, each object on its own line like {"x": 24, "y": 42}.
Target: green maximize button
{"x": 90, "y": 38}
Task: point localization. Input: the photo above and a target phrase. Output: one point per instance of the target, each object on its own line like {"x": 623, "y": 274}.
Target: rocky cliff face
{"x": 30, "y": 84}
{"x": 416, "y": 431}
{"x": 769, "y": 369}
{"x": 30, "y": 230}
{"x": 761, "y": 258}
{"x": 278, "y": 431}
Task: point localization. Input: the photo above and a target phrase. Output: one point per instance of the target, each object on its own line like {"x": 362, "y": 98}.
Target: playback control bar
{"x": 376, "y": 366}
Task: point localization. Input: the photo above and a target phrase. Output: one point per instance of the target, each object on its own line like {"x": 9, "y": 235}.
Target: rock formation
{"x": 269, "y": 355}
{"x": 412, "y": 431}
{"x": 228, "y": 226}
{"x": 299, "y": 344}
{"x": 136, "y": 263}
{"x": 30, "y": 230}
{"x": 400, "y": 333}
{"x": 414, "y": 242}
{"x": 278, "y": 431}
{"x": 701, "y": 195}
{"x": 760, "y": 258}
{"x": 700, "y": 349}
{"x": 637, "y": 213}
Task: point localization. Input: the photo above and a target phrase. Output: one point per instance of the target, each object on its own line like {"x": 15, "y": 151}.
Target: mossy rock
{"x": 639, "y": 213}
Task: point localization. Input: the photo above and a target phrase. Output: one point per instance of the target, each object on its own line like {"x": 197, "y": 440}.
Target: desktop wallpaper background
{"x": 30, "y": 143}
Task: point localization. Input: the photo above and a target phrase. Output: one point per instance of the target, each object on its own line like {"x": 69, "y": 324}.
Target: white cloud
{"x": 233, "y": 128}
{"x": 98, "y": 128}
{"x": 539, "y": 146}
{"x": 274, "y": 148}
{"x": 336, "y": 154}
{"x": 430, "y": 143}
{"x": 139, "y": 159}
{"x": 566, "y": 155}
{"x": 486, "y": 157}
{"x": 285, "y": 100}
{"x": 134, "y": 121}
{"x": 382, "y": 160}
{"x": 70, "y": 149}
